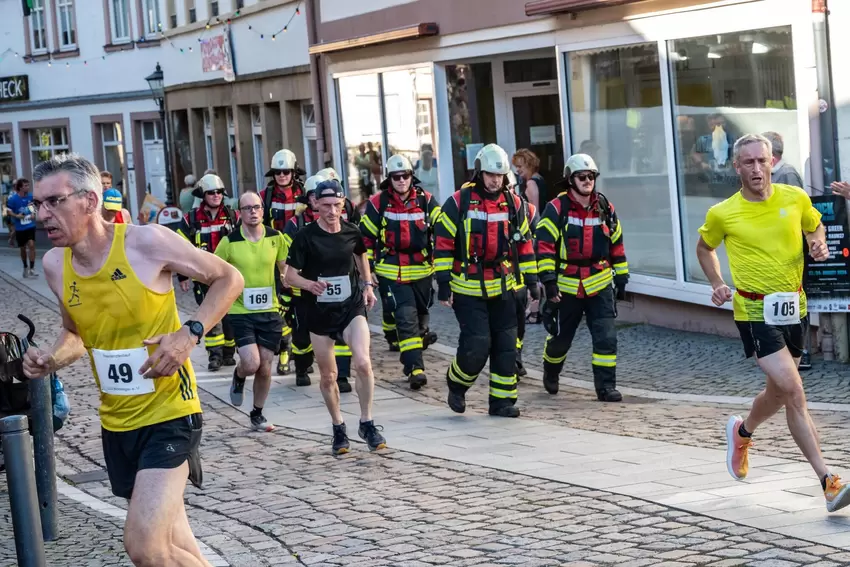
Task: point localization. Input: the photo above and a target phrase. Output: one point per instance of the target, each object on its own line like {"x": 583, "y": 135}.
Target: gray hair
{"x": 748, "y": 139}
{"x": 83, "y": 175}
{"x": 189, "y": 180}
{"x": 777, "y": 143}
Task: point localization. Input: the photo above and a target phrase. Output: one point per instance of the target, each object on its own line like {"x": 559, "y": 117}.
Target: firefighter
{"x": 204, "y": 227}
{"x": 522, "y": 289}
{"x": 483, "y": 245}
{"x": 580, "y": 253}
{"x": 280, "y": 197}
{"x": 397, "y": 228}
{"x": 301, "y": 347}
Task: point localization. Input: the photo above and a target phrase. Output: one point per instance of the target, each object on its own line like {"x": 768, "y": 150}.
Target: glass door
{"x": 535, "y": 120}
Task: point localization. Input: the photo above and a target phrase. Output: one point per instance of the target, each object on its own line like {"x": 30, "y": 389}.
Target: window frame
{"x": 52, "y": 147}
{"x": 128, "y": 22}
{"x": 145, "y": 16}
{"x": 70, "y": 12}
{"x": 45, "y": 25}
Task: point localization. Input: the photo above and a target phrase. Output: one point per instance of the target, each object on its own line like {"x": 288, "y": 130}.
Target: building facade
{"x": 656, "y": 91}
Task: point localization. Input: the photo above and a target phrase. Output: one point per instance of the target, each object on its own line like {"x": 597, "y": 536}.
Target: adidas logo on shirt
{"x": 118, "y": 275}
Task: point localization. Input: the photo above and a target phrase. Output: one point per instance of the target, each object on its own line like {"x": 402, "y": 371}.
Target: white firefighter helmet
{"x": 492, "y": 159}
{"x": 312, "y": 182}
{"x": 580, "y": 162}
{"x": 283, "y": 159}
{"x": 511, "y": 179}
{"x": 398, "y": 164}
{"x": 209, "y": 182}
{"x": 328, "y": 173}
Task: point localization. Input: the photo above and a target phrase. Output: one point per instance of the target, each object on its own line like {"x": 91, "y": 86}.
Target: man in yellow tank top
{"x": 113, "y": 283}
{"x": 761, "y": 226}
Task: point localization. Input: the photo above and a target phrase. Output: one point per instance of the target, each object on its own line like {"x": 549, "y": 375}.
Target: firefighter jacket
{"x": 582, "y": 248}
{"x": 533, "y": 220}
{"x": 398, "y": 233}
{"x": 205, "y": 232}
{"x": 302, "y": 219}
{"x": 279, "y": 204}
{"x": 484, "y": 242}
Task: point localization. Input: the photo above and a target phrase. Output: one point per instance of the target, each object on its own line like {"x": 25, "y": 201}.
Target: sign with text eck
{"x": 14, "y": 88}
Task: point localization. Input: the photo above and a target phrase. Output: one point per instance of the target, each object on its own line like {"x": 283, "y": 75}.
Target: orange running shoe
{"x": 837, "y": 493}
{"x": 737, "y": 458}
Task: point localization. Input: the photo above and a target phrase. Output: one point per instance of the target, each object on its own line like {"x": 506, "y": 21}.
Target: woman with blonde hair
{"x": 531, "y": 185}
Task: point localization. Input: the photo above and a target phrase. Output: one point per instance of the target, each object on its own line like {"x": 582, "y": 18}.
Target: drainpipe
{"x": 824, "y": 157}
{"x": 315, "y": 76}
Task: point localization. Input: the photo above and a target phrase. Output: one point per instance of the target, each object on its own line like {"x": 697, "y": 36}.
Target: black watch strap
{"x": 196, "y": 328}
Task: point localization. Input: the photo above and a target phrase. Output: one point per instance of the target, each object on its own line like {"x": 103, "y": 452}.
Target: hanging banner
{"x": 827, "y": 283}
{"x": 216, "y": 56}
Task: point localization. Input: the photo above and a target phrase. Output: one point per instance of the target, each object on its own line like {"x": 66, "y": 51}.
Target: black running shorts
{"x": 24, "y": 236}
{"x": 762, "y": 339}
{"x": 330, "y": 322}
{"x": 165, "y": 445}
{"x": 263, "y": 329}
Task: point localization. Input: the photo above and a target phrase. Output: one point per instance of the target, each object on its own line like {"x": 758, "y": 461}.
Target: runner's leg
{"x": 785, "y": 387}
{"x": 262, "y": 376}
{"x": 249, "y": 363}
{"x": 357, "y": 336}
{"x": 323, "y": 350}
{"x": 154, "y": 509}
{"x": 181, "y": 534}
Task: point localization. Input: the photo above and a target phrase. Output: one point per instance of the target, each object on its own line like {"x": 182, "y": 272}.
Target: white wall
{"x": 839, "y": 19}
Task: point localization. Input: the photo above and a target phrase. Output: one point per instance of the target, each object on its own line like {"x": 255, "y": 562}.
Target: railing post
{"x": 45, "y": 462}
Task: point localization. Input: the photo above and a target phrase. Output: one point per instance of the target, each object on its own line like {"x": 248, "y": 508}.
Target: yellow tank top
{"x": 114, "y": 312}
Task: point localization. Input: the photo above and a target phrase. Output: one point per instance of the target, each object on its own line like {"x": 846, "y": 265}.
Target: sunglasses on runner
{"x": 283, "y": 172}
{"x": 585, "y": 176}
{"x": 400, "y": 176}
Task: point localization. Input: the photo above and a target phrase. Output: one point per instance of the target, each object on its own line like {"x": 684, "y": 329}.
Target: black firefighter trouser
{"x": 388, "y": 324}
{"x": 601, "y": 313}
{"x": 302, "y": 348}
{"x": 488, "y": 328}
{"x": 219, "y": 340}
{"x": 521, "y": 306}
{"x": 408, "y": 304}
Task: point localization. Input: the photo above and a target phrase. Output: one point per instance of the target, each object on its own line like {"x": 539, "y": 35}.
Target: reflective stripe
{"x": 485, "y": 216}
{"x": 519, "y": 343}
{"x": 609, "y": 360}
{"x": 450, "y": 226}
{"x": 404, "y": 216}
{"x": 584, "y": 222}
{"x": 284, "y": 206}
{"x": 410, "y": 344}
{"x": 528, "y": 267}
{"x": 455, "y": 375}
{"x": 504, "y": 380}
{"x": 473, "y": 287}
{"x": 547, "y": 265}
{"x": 435, "y": 215}
{"x": 549, "y": 226}
{"x": 370, "y": 226}
{"x": 287, "y": 330}
{"x": 415, "y": 272}
{"x": 229, "y": 343}
{"x": 296, "y": 350}
{"x": 211, "y": 228}
{"x": 618, "y": 232}
{"x": 621, "y": 268}
{"x": 503, "y": 394}
{"x": 342, "y": 350}
{"x": 443, "y": 264}
{"x": 214, "y": 341}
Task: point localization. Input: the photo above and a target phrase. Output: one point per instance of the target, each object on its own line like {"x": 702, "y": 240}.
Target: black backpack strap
{"x": 605, "y": 212}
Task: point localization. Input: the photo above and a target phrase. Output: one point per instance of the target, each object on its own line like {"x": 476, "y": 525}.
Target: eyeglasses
{"x": 215, "y": 192}
{"x": 52, "y": 202}
{"x": 400, "y": 176}
{"x": 585, "y": 176}
{"x": 251, "y": 208}
{"x": 283, "y": 172}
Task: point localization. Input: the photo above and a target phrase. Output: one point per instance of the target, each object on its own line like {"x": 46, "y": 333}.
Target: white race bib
{"x": 27, "y": 219}
{"x": 118, "y": 371}
{"x": 782, "y": 308}
{"x": 339, "y": 289}
{"x": 258, "y": 298}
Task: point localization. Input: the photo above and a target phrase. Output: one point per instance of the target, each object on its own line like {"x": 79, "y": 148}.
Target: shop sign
{"x": 14, "y": 88}
{"x": 828, "y": 282}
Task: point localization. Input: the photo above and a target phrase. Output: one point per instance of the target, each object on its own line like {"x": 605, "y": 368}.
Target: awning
{"x": 548, "y": 7}
{"x": 410, "y": 32}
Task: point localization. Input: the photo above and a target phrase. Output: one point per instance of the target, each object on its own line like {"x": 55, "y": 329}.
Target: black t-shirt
{"x": 316, "y": 254}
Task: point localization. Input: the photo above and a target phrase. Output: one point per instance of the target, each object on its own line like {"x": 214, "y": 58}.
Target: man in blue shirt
{"x": 23, "y": 216}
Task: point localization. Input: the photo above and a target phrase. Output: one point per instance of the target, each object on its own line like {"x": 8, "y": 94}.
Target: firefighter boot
{"x": 457, "y": 396}
{"x": 521, "y": 372}
{"x": 229, "y": 356}
{"x": 417, "y": 379}
{"x": 343, "y": 384}
{"x": 504, "y": 410}
{"x": 550, "y": 381}
{"x": 284, "y": 362}
{"x": 214, "y": 363}
{"x": 609, "y": 395}
{"x": 302, "y": 379}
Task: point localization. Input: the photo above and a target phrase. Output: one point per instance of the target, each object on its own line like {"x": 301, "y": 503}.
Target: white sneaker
{"x": 33, "y": 273}
{"x": 26, "y": 273}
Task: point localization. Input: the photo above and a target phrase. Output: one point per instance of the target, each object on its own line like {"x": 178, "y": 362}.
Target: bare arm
{"x": 362, "y": 263}
{"x": 282, "y": 268}
{"x": 818, "y": 249}
{"x": 710, "y": 264}
{"x": 532, "y": 192}
{"x": 68, "y": 347}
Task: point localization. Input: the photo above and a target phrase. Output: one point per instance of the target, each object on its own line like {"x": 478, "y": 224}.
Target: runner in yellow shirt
{"x": 761, "y": 226}
{"x": 113, "y": 283}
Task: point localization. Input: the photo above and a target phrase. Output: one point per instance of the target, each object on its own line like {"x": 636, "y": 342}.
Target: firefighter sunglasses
{"x": 400, "y": 176}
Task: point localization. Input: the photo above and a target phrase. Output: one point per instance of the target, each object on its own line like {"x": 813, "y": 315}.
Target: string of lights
{"x": 226, "y": 23}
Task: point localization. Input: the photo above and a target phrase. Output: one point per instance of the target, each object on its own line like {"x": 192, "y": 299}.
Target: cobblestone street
{"x": 283, "y": 499}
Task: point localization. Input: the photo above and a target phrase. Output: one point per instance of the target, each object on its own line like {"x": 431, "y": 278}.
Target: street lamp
{"x": 157, "y": 85}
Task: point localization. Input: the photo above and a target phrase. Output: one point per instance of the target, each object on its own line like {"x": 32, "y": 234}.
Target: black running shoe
{"x": 343, "y": 384}
{"x": 340, "y": 444}
{"x": 370, "y": 433}
{"x": 237, "y": 388}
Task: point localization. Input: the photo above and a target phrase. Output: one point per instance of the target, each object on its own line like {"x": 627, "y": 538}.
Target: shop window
{"x": 67, "y": 27}
{"x": 47, "y": 142}
{"x": 472, "y": 114}
{"x": 38, "y": 27}
{"x": 153, "y": 23}
{"x": 257, "y": 138}
{"x": 112, "y": 139}
{"x": 530, "y": 70}
{"x": 308, "y": 128}
{"x": 616, "y": 117}
{"x": 725, "y": 86}
{"x": 408, "y": 96}
{"x": 7, "y": 170}
{"x": 178, "y": 134}
{"x": 360, "y": 116}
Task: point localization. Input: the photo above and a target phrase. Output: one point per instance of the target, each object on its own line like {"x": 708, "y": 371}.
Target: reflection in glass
{"x": 472, "y": 114}
{"x": 409, "y": 108}
{"x": 725, "y": 86}
{"x": 617, "y": 118}
{"x": 360, "y": 115}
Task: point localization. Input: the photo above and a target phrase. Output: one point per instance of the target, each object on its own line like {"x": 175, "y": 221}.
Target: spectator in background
{"x": 105, "y": 180}
{"x": 187, "y": 200}
{"x": 531, "y": 184}
{"x": 782, "y": 172}
{"x": 425, "y": 170}
{"x": 113, "y": 207}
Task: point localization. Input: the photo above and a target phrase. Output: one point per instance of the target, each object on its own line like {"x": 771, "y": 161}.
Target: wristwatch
{"x": 365, "y": 284}
{"x": 196, "y": 328}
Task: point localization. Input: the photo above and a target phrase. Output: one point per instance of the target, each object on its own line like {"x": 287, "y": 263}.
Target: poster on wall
{"x": 216, "y": 56}
{"x": 827, "y": 283}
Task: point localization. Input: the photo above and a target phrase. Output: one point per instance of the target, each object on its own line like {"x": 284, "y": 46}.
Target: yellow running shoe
{"x": 837, "y": 493}
{"x": 737, "y": 447}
